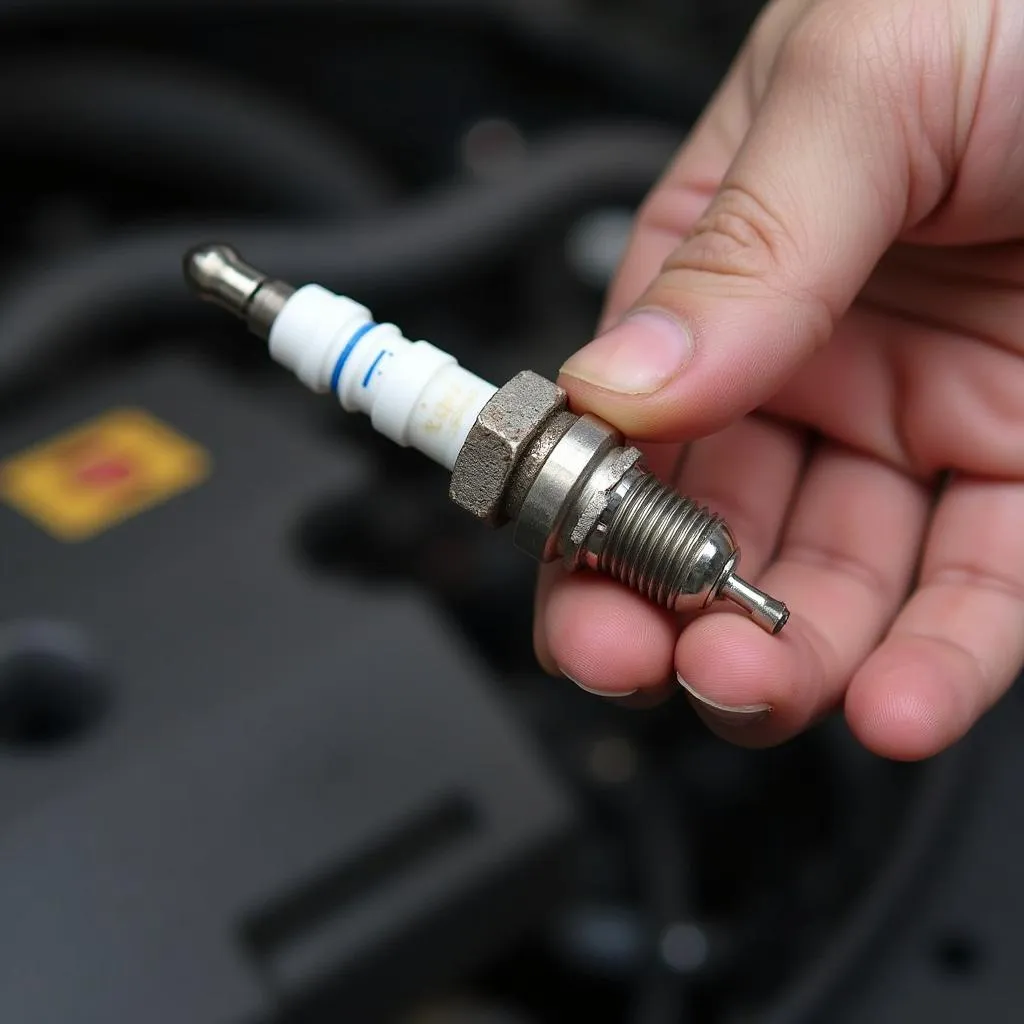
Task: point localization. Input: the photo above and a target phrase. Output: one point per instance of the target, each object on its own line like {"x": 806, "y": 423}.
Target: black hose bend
{"x": 809, "y": 996}
{"x": 675, "y": 87}
{"x": 175, "y": 123}
{"x": 421, "y": 245}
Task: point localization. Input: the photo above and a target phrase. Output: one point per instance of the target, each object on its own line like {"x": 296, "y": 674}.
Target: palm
{"x": 926, "y": 371}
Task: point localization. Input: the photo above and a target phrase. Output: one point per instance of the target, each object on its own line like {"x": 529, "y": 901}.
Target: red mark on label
{"x": 103, "y": 472}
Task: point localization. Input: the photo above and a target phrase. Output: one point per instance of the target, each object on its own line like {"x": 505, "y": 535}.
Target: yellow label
{"x": 101, "y": 473}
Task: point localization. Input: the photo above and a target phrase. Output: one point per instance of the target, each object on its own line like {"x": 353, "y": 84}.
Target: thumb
{"x": 816, "y": 193}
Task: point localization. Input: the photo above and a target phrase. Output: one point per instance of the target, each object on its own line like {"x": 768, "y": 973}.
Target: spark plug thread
{"x": 650, "y": 539}
{"x": 661, "y": 544}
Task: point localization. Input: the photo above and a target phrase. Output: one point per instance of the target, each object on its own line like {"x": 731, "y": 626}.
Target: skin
{"x": 841, "y": 239}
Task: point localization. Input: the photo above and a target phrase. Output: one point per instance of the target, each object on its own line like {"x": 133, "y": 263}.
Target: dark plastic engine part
{"x": 230, "y": 789}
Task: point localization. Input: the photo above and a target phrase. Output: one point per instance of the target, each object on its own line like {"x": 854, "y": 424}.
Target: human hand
{"x": 836, "y": 321}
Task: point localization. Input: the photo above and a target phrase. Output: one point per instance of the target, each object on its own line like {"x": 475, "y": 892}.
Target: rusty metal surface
{"x": 503, "y": 432}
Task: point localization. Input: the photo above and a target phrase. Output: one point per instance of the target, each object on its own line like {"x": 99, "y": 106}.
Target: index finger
{"x": 958, "y": 644}
{"x": 681, "y": 195}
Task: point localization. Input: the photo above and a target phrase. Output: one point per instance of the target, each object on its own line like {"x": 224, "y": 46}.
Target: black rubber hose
{"x": 674, "y": 86}
{"x": 427, "y": 243}
{"x": 641, "y": 810}
{"x": 808, "y": 998}
{"x": 177, "y": 124}
{"x": 665, "y": 866}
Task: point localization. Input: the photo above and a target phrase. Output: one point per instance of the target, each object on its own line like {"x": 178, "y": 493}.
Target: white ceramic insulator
{"x": 415, "y": 394}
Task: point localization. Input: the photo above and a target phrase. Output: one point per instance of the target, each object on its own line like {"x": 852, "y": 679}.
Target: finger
{"x": 682, "y": 195}
{"x": 605, "y": 638}
{"x": 959, "y": 643}
{"x": 887, "y": 385}
{"x": 663, "y": 461}
{"x": 850, "y": 391}
{"x": 954, "y": 289}
{"x": 843, "y": 569}
{"x": 653, "y": 697}
{"x": 818, "y": 191}
{"x": 546, "y": 577}
{"x": 747, "y": 473}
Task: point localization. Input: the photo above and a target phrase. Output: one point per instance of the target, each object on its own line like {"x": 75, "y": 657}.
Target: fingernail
{"x": 637, "y": 357}
{"x": 734, "y": 716}
{"x": 597, "y": 692}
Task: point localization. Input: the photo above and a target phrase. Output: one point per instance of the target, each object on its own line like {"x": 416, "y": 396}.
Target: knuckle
{"x": 823, "y": 44}
{"x": 742, "y": 249}
{"x": 866, "y": 46}
{"x": 771, "y": 27}
{"x": 738, "y": 237}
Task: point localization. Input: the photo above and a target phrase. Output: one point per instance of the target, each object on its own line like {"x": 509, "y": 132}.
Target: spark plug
{"x": 569, "y": 485}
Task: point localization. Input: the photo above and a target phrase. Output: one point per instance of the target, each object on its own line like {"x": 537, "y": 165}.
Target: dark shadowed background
{"x": 273, "y": 744}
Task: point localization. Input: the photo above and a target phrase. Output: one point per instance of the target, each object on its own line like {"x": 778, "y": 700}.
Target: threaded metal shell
{"x": 654, "y": 541}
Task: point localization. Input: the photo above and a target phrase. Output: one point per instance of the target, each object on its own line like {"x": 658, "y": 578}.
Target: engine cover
{"x": 229, "y": 786}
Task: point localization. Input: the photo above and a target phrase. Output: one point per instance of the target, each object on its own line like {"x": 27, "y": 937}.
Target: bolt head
{"x": 503, "y": 431}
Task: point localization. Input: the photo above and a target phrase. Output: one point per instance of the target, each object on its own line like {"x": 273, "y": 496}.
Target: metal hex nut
{"x": 503, "y": 431}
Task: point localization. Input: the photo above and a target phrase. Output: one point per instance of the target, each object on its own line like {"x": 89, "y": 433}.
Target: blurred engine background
{"x": 276, "y": 748}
